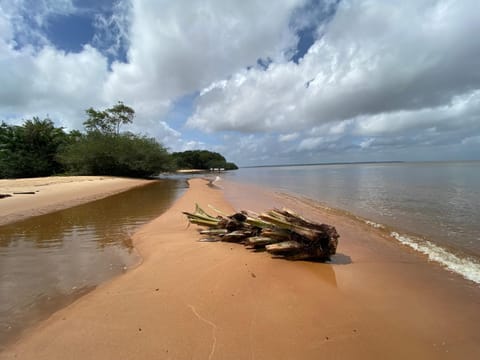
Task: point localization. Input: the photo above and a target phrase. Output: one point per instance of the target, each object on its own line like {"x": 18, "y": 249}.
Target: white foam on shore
{"x": 468, "y": 268}
{"x": 374, "y": 224}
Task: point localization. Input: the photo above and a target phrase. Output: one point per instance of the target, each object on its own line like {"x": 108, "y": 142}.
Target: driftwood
{"x": 282, "y": 233}
{"x": 2, "y": 196}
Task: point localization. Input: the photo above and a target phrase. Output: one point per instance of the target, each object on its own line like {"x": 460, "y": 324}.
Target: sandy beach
{"x": 36, "y": 196}
{"x": 196, "y": 300}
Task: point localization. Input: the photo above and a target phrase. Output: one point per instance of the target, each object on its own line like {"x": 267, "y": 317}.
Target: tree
{"x": 125, "y": 154}
{"x": 30, "y": 150}
{"x": 10, "y": 136}
{"x": 104, "y": 150}
{"x": 201, "y": 159}
{"x": 109, "y": 121}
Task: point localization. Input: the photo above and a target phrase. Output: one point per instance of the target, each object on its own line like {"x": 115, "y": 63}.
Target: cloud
{"x": 169, "y": 49}
{"x": 112, "y": 30}
{"x": 176, "y": 48}
{"x": 311, "y": 143}
{"x": 50, "y": 82}
{"x": 378, "y": 79}
{"x": 370, "y": 73}
{"x": 460, "y": 115}
{"x": 27, "y": 19}
{"x": 37, "y": 78}
{"x": 471, "y": 140}
{"x": 288, "y": 137}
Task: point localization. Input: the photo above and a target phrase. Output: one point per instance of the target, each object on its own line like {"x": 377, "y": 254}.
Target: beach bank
{"x": 195, "y": 300}
{"x": 37, "y": 196}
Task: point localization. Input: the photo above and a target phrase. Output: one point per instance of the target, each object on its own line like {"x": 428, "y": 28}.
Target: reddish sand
{"x": 56, "y": 193}
{"x": 195, "y": 300}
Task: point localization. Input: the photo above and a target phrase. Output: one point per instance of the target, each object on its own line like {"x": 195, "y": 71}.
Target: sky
{"x": 261, "y": 82}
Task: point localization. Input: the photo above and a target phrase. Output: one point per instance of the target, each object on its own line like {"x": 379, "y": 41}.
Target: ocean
{"x": 432, "y": 207}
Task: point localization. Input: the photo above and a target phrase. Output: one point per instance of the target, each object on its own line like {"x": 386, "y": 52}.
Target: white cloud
{"x": 6, "y": 31}
{"x": 380, "y": 76}
{"x": 288, "y": 137}
{"x": 27, "y": 18}
{"x": 174, "y": 48}
{"x": 311, "y": 143}
{"x": 177, "y": 48}
{"x": 50, "y": 82}
{"x": 37, "y": 78}
{"x": 112, "y": 30}
{"x": 462, "y": 113}
{"x": 372, "y": 70}
{"x": 367, "y": 143}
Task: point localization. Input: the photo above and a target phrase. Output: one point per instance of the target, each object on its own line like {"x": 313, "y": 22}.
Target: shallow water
{"x": 48, "y": 261}
{"x": 433, "y": 207}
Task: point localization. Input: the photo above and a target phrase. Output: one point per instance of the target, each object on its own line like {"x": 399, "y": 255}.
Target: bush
{"x": 118, "y": 155}
{"x": 201, "y": 159}
{"x": 30, "y": 150}
{"x": 38, "y": 148}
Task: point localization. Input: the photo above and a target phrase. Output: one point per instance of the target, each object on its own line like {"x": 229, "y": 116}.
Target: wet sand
{"x": 194, "y": 300}
{"x": 36, "y": 196}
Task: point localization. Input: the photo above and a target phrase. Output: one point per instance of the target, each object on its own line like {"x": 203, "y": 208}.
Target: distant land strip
{"x": 329, "y": 163}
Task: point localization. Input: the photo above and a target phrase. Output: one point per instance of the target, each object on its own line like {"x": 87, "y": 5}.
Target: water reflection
{"x": 49, "y": 260}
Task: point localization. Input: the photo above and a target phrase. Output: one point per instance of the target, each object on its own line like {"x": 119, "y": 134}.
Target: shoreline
{"x": 48, "y": 194}
{"x": 217, "y": 300}
{"x": 456, "y": 261}
{"x": 459, "y": 261}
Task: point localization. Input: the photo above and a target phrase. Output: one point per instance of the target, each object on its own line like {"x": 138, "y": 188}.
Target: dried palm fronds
{"x": 282, "y": 233}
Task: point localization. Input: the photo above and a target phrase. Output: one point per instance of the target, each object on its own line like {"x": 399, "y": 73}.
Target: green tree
{"x": 10, "y": 137}
{"x": 125, "y": 154}
{"x": 201, "y": 159}
{"x": 104, "y": 150}
{"x": 30, "y": 150}
{"x": 109, "y": 121}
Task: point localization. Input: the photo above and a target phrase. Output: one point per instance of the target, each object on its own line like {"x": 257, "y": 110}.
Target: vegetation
{"x": 201, "y": 159}
{"x": 103, "y": 150}
{"x": 109, "y": 121}
{"x": 30, "y": 150}
{"x": 38, "y": 148}
{"x": 123, "y": 155}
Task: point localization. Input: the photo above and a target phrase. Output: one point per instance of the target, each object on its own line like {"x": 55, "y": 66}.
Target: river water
{"x": 432, "y": 207}
{"x": 48, "y": 261}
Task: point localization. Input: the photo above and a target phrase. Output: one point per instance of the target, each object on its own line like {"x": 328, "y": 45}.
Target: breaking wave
{"x": 466, "y": 267}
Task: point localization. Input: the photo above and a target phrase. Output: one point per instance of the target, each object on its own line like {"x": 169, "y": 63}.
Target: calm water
{"x": 431, "y": 207}
{"x": 48, "y": 261}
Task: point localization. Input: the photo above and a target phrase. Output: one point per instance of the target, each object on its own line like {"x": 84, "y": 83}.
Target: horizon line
{"x": 355, "y": 163}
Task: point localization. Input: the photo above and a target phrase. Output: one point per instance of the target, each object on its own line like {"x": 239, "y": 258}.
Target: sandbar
{"x": 198, "y": 300}
{"x": 37, "y": 196}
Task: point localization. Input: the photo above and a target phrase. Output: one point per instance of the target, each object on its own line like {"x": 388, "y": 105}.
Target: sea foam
{"x": 374, "y": 224}
{"x": 468, "y": 268}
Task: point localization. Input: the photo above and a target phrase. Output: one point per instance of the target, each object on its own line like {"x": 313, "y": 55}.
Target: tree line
{"x": 201, "y": 159}
{"x": 39, "y": 148}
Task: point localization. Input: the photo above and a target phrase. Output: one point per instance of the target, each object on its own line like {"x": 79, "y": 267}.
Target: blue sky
{"x": 270, "y": 82}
